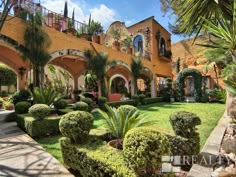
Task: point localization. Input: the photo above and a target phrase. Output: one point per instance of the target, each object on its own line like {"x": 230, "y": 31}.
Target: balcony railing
{"x": 50, "y": 18}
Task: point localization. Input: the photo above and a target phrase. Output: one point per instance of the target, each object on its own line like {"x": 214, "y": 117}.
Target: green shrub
{"x": 46, "y": 95}
{"x": 184, "y": 125}
{"x": 60, "y": 104}
{"x": 3, "y": 94}
{"x": 11, "y": 117}
{"x": 119, "y": 123}
{"x": 76, "y": 125}
{"x": 94, "y": 159}
{"x": 39, "y": 111}
{"x": 81, "y": 106}
{"x": 22, "y": 107}
{"x": 141, "y": 98}
{"x": 153, "y": 100}
{"x": 45, "y": 127}
{"x": 101, "y": 102}
{"x": 126, "y": 102}
{"x": 89, "y": 101}
{"x": 178, "y": 145}
{"x": 143, "y": 148}
{"x": 22, "y": 95}
{"x": 128, "y": 109}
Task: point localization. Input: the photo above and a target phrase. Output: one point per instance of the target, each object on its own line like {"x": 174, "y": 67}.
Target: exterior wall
{"x": 74, "y": 63}
{"x": 189, "y": 54}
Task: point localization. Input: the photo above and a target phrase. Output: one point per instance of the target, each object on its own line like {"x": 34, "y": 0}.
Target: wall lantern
{"x": 22, "y": 72}
{"x": 147, "y": 30}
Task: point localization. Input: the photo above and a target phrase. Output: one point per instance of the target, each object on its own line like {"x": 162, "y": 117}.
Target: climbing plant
{"x": 197, "y": 76}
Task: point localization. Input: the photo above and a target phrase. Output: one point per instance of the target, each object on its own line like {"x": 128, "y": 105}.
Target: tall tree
{"x": 73, "y": 18}
{"x": 97, "y": 64}
{"x": 37, "y": 42}
{"x": 136, "y": 68}
{"x": 7, "y": 6}
{"x": 65, "y": 10}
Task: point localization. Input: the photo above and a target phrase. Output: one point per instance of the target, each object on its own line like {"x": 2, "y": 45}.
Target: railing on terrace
{"x": 50, "y": 18}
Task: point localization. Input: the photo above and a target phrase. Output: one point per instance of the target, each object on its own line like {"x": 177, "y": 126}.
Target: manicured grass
{"x": 209, "y": 114}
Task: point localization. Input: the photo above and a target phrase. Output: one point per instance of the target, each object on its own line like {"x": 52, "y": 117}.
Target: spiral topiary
{"x": 22, "y": 107}
{"x": 128, "y": 109}
{"x": 142, "y": 150}
{"x": 81, "y": 106}
{"x": 39, "y": 111}
{"x": 76, "y": 126}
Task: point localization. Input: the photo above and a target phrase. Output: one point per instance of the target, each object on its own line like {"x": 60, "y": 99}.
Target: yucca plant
{"x": 230, "y": 86}
{"x": 119, "y": 122}
{"x": 44, "y": 95}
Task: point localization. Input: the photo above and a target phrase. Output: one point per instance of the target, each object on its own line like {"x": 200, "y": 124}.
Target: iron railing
{"x": 50, "y": 19}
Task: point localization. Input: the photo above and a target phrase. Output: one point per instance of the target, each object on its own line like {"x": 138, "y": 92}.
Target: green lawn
{"x": 209, "y": 114}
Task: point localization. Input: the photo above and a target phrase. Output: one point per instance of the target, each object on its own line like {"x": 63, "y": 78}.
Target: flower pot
{"x": 9, "y": 107}
{"x": 96, "y": 39}
{"x": 129, "y": 50}
{"x": 116, "y": 144}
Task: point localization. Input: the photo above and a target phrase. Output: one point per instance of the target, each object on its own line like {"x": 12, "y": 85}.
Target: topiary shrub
{"x": 89, "y": 101}
{"x": 178, "y": 145}
{"x": 141, "y": 98}
{"x": 76, "y": 126}
{"x": 142, "y": 150}
{"x": 22, "y": 107}
{"x": 128, "y": 109}
{"x": 81, "y": 106}
{"x": 39, "y": 111}
{"x": 60, "y": 104}
{"x": 22, "y": 95}
{"x": 184, "y": 125}
{"x": 101, "y": 102}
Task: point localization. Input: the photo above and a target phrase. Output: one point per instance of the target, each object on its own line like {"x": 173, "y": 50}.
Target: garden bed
{"x": 94, "y": 158}
{"x": 38, "y": 128}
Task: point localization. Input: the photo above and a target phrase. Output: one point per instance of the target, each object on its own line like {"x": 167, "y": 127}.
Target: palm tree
{"x": 36, "y": 43}
{"x": 136, "y": 68}
{"x": 97, "y": 64}
{"x": 7, "y": 6}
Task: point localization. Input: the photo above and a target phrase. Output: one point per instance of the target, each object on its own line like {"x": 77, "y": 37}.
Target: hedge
{"x": 36, "y": 128}
{"x": 94, "y": 159}
{"x": 153, "y": 100}
{"x": 126, "y": 102}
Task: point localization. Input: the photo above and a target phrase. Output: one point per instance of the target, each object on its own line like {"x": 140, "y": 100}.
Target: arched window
{"x": 162, "y": 46}
{"x": 138, "y": 44}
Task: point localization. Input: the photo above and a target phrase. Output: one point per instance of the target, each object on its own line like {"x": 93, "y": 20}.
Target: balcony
{"x": 166, "y": 55}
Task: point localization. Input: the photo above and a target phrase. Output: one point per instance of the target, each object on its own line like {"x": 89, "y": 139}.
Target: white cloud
{"x": 101, "y": 13}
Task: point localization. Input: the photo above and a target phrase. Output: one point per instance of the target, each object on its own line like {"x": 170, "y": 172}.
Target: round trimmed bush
{"x": 76, "y": 126}
{"x": 184, "y": 123}
{"x": 39, "y": 111}
{"x": 22, "y": 107}
{"x": 60, "y": 104}
{"x": 143, "y": 148}
{"x": 128, "y": 109}
{"x": 81, "y": 106}
{"x": 89, "y": 101}
{"x": 101, "y": 102}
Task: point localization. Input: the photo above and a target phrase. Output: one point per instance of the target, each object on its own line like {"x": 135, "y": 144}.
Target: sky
{"x": 108, "y": 11}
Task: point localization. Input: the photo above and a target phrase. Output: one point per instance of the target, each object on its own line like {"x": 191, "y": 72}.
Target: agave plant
{"x": 119, "y": 123}
{"x": 44, "y": 95}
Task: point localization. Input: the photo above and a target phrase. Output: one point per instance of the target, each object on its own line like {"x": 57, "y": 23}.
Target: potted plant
{"x": 94, "y": 31}
{"x": 8, "y": 105}
{"x": 1, "y": 103}
{"x": 116, "y": 35}
{"x": 127, "y": 44}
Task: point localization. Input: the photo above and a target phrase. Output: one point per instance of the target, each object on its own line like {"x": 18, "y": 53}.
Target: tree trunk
{"x": 135, "y": 87}
{"x": 229, "y": 104}
{"x": 216, "y": 74}
{"x": 42, "y": 76}
{"x": 37, "y": 76}
{"x": 99, "y": 89}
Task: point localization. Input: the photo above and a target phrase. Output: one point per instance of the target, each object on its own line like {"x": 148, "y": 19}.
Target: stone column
{"x": 76, "y": 83}
{"x": 21, "y": 82}
{"x": 153, "y": 87}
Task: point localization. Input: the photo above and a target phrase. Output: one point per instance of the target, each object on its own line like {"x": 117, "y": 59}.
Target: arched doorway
{"x": 194, "y": 80}
{"x": 119, "y": 84}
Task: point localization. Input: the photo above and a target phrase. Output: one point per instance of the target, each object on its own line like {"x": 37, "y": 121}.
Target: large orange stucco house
{"x": 149, "y": 41}
{"x": 191, "y": 55}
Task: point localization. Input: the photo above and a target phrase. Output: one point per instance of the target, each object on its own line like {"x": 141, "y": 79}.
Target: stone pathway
{"x": 21, "y": 156}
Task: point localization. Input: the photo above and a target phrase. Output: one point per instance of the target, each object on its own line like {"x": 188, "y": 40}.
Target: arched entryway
{"x": 119, "y": 84}
{"x": 71, "y": 60}
{"x": 12, "y": 58}
{"x": 192, "y": 78}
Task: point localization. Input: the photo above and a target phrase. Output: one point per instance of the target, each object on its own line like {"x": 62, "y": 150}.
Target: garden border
{"x": 211, "y": 147}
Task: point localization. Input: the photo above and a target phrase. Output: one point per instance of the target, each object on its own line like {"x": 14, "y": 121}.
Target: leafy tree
{"x": 97, "y": 64}
{"x": 7, "y": 76}
{"x": 136, "y": 68}
{"x": 37, "y": 42}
